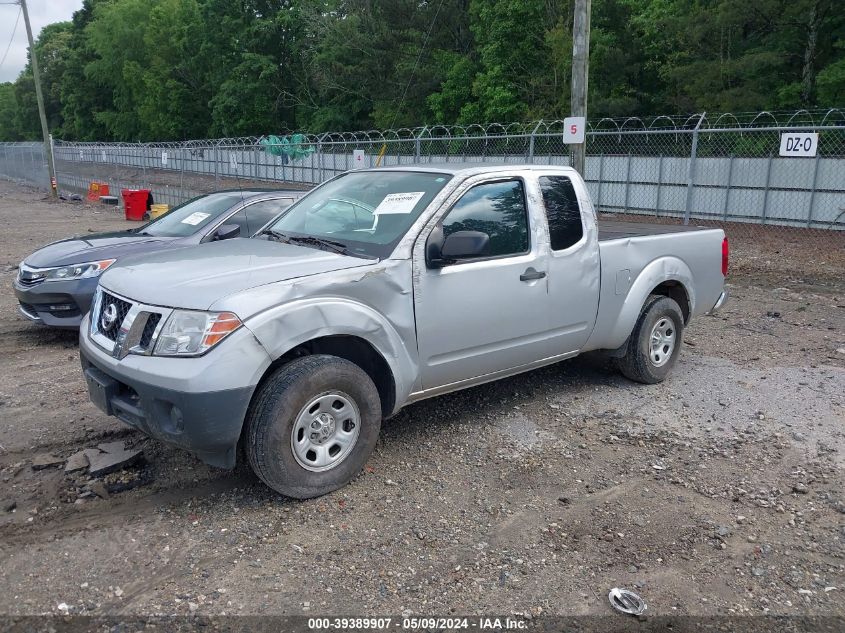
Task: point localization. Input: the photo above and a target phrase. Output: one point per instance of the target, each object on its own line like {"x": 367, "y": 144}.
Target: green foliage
{"x": 8, "y": 113}
{"x": 831, "y": 79}
{"x": 179, "y": 69}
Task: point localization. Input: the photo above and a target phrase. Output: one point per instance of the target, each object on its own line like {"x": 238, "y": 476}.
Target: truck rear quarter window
{"x": 495, "y": 208}
{"x": 562, "y": 211}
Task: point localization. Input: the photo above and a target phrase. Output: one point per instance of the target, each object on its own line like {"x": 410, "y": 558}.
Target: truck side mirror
{"x": 440, "y": 252}
{"x": 434, "y": 248}
{"x": 465, "y": 245}
{"x": 227, "y": 232}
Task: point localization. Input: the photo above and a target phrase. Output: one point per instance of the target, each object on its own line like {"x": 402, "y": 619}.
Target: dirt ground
{"x": 719, "y": 492}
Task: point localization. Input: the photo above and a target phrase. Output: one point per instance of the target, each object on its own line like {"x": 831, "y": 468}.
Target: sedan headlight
{"x": 78, "y": 271}
{"x": 193, "y": 333}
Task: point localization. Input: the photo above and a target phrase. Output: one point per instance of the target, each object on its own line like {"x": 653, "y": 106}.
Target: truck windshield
{"x": 192, "y": 216}
{"x": 365, "y": 212}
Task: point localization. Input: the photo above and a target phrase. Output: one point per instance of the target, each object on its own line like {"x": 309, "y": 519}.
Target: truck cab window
{"x": 496, "y": 208}
{"x": 562, "y": 211}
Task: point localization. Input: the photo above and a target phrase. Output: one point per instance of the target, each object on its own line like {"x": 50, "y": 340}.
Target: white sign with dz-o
{"x": 799, "y": 143}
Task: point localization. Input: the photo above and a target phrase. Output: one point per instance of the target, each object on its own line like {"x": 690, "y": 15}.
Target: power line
{"x": 11, "y": 39}
{"x": 416, "y": 63}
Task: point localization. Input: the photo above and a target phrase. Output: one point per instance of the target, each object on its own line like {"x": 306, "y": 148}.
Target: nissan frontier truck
{"x": 380, "y": 288}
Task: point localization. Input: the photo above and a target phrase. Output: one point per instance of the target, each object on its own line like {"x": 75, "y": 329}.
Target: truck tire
{"x": 312, "y": 426}
{"x": 655, "y": 343}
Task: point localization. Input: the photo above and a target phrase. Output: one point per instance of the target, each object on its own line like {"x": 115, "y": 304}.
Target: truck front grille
{"x": 111, "y": 315}
{"x": 123, "y": 326}
{"x": 149, "y": 330}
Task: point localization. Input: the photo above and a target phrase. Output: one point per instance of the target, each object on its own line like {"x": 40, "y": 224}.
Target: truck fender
{"x": 285, "y": 327}
{"x": 655, "y": 273}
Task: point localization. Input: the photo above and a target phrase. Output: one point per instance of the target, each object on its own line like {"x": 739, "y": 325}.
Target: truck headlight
{"x": 78, "y": 271}
{"x": 193, "y": 333}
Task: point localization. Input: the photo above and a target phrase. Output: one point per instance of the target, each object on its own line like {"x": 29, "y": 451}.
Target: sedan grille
{"x": 111, "y": 315}
{"x": 30, "y": 277}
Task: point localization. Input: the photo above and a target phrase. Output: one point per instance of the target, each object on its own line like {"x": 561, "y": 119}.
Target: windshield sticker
{"x": 399, "y": 203}
{"x": 195, "y": 218}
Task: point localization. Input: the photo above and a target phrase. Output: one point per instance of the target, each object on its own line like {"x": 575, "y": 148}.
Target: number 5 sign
{"x": 573, "y": 129}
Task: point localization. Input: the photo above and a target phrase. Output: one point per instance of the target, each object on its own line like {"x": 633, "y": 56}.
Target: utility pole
{"x": 33, "y": 58}
{"x": 580, "y": 74}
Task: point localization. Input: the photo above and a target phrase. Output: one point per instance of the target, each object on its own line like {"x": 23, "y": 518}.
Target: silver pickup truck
{"x": 377, "y": 289}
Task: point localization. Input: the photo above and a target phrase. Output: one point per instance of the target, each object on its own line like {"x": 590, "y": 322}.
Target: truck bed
{"x": 616, "y": 230}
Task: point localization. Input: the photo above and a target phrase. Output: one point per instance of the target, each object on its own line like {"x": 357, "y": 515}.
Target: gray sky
{"x": 41, "y": 13}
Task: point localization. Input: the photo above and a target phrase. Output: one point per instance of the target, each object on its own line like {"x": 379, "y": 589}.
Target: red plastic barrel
{"x": 136, "y": 202}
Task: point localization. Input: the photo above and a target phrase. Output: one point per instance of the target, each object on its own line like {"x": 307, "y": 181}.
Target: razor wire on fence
{"x": 724, "y": 168}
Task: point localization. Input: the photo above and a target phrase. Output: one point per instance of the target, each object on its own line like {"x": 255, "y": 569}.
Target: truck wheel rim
{"x": 662, "y": 344}
{"x": 325, "y": 431}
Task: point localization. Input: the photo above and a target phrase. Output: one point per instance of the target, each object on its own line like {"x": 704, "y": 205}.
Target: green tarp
{"x": 295, "y": 146}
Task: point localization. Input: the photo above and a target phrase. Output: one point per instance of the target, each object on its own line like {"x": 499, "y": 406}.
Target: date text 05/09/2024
{"x": 418, "y": 623}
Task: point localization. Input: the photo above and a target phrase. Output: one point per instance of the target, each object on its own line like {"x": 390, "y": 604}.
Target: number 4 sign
{"x": 573, "y": 129}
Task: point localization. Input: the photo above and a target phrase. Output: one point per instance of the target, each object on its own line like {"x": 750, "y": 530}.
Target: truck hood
{"x": 196, "y": 277}
{"x": 88, "y": 248}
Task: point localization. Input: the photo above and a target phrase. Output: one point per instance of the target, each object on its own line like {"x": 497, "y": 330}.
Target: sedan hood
{"x": 95, "y": 247}
{"x": 198, "y": 276}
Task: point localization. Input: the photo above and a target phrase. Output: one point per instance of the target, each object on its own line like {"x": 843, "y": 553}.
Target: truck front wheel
{"x": 655, "y": 343}
{"x": 312, "y": 426}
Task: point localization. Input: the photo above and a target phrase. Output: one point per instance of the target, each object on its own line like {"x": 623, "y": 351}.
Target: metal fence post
{"x": 766, "y": 192}
{"x": 418, "y": 145}
{"x": 659, "y": 185}
{"x": 627, "y": 182}
{"x": 181, "y": 172}
{"x": 531, "y": 141}
{"x": 255, "y": 164}
{"x": 813, "y": 192}
{"x": 144, "y": 165}
{"x": 53, "y": 158}
{"x": 216, "y": 167}
{"x": 691, "y": 169}
{"x": 728, "y": 189}
{"x": 601, "y": 179}
{"x": 319, "y": 159}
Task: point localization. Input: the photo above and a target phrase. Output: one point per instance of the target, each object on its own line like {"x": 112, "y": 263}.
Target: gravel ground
{"x": 719, "y": 492}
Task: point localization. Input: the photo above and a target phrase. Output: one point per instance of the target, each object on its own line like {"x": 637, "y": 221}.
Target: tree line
{"x": 136, "y": 70}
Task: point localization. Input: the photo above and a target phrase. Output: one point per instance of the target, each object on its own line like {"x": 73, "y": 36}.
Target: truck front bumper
{"x": 198, "y": 404}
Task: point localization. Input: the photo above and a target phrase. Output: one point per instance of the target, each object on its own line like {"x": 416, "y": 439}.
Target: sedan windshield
{"x": 363, "y": 213}
{"x": 192, "y": 216}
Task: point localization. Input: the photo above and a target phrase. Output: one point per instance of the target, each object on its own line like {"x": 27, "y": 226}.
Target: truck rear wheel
{"x": 655, "y": 343}
{"x": 312, "y": 426}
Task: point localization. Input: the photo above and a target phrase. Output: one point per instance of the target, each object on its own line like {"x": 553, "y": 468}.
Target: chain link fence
{"x": 24, "y": 162}
{"x": 721, "y": 169}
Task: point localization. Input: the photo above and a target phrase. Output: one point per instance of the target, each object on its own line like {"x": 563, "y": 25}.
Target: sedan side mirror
{"x": 227, "y": 232}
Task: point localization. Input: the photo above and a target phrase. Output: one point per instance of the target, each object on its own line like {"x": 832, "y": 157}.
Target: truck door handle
{"x": 531, "y": 275}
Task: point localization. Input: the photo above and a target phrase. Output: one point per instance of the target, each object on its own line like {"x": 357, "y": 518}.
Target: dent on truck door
{"x": 574, "y": 267}
{"x": 481, "y": 316}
